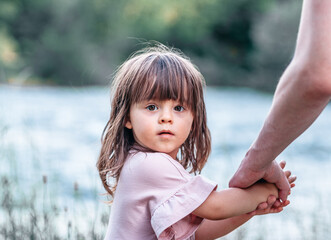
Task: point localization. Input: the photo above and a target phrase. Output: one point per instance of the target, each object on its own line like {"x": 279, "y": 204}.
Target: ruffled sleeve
{"x": 173, "y": 217}
{"x": 173, "y": 195}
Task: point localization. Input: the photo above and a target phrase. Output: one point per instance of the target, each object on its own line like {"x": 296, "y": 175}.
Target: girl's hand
{"x": 270, "y": 208}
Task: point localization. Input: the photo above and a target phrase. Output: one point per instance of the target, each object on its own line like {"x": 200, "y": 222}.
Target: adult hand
{"x": 247, "y": 174}
{"x": 273, "y": 205}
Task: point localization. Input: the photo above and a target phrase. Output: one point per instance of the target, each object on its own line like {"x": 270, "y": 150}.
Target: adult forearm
{"x": 296, "y": 105}
{"x": 301, "y": 95}
{"x": 304, "y": 88}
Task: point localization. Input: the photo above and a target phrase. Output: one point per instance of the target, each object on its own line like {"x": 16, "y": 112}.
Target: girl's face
{"x": 162, "y": 126}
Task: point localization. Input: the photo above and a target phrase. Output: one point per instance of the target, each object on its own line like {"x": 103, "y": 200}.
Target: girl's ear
{"x": 128, "y": 123}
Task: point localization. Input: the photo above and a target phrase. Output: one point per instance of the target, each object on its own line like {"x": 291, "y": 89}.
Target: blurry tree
{"x": 64, "y": 42}
{"x": 216, "y": 34}
{"x": 274, "y": 35}
{"x": 81, "y": 42}
{"x": 8, "y": 56}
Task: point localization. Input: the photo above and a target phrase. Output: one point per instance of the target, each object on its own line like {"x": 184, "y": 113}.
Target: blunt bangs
{"x": 165, "y": 76}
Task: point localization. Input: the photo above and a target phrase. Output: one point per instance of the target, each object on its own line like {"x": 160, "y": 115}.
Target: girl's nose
{"x": 166, "y": 116}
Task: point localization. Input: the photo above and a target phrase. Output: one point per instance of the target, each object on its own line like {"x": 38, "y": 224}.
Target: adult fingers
{"x": 284, "y": 187}
{"x": 287, "y": 173}
{"x": 282, "y": 164}
{"x": 276, "y": 175}
{"x": 291, "y": 179}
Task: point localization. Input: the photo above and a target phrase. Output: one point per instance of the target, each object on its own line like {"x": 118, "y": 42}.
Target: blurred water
{"x": 56, "y": 132}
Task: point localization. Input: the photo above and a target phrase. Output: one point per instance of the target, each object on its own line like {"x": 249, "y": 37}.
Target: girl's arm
{"x": 210, "y": 229}
{"x": 234, "y": 201}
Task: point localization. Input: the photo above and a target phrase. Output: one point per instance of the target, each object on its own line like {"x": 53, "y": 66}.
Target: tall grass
{"x": 35, "y": 216}
{"x": 37, "y": 212}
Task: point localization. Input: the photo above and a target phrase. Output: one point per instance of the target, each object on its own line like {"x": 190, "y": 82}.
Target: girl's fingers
{"x": 284, "y": 204}
{"x": 287, "y": 202}
{"x": 277, "y": 210}
{"x": 277, "y": 204}
{"x": 271, "y": 200}
{"x": 262, "y": 206}
{"x": 252, "y": 213}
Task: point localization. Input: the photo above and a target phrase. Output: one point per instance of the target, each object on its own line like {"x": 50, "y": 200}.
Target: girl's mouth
{"x": 165, "y": 132}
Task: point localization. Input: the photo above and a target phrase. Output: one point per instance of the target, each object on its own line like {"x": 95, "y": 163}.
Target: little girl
{"x": 158, "y": 129}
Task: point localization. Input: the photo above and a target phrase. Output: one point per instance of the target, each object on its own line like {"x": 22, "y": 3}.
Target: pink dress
{"x": 154, "y": 199}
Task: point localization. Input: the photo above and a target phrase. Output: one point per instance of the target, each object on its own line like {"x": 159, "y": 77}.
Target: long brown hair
{"x": 153, "y": 73}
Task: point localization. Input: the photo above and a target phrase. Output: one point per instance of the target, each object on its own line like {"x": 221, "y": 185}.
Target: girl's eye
{"x": 151, "y": 107}
{"x": 179, "y": 108}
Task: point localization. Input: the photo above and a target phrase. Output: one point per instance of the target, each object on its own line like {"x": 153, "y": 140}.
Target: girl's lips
{"x": 165, "y": 132}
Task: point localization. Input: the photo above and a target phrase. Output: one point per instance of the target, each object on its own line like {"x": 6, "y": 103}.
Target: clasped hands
{"x": 273, "y": 173}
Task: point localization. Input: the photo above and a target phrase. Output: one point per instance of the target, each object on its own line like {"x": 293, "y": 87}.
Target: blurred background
{"x": 81, "y": 42}
{"x": 56, "y": 63}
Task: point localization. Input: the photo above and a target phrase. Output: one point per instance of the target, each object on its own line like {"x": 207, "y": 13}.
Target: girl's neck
{"x": 137, "y": 147}
{"x": 140, "y": 148}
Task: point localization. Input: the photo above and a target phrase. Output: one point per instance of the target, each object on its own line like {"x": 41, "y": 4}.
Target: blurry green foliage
{"x": 275, "y": 37}
{"x": 82, "y": 41}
